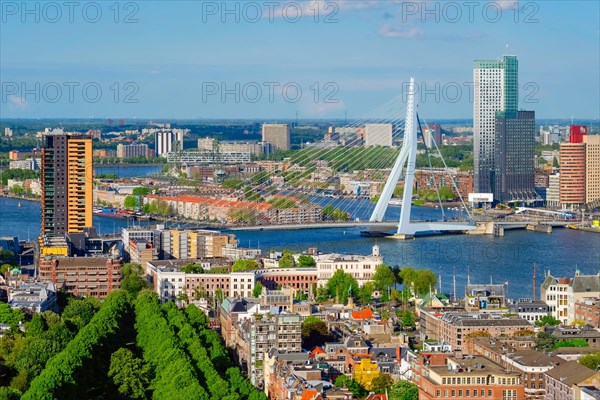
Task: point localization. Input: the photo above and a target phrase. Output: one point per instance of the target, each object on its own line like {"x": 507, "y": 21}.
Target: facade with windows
{"x": 496, "y": 88}
{"x": 440, "y": 376}
{"x": 513, "y": 179}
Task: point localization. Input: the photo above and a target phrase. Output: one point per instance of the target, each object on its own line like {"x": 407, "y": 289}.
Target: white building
{"x": 553, "y": 191}
{"x": 168, "y": 140}
{"x": 169, "y": 282}
{"x": 362, "y": 268}
{"x": 561, "y": 294}
{"x": 378, "y": 135}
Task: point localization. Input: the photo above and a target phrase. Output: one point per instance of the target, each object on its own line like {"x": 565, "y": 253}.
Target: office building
{"x": 167, "y": 141}
{"x": 277, "y": 135}
{"x": 496, "y": 88}
{"x": 572, "y": 174}
{"x": 132, "y": 150}
{"x": 66, "y": 177}
{"x": 432, "y": 135}
{"x": 577, "y": 133}
{"x": 553, "y": 191}
{"x": 378, "y": 135}
{"x": 211, "y": 144}
{"x": 514, "y": 161}
{"x": 83, "y": 276}
{"x": 592, "y": 168}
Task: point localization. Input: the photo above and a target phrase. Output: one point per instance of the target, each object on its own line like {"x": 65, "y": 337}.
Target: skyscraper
{"x": 66, "y": 176}
{"x": 496, "y": 88}
{"x": 513, "y": 179}
{"x": 277, "y": 135}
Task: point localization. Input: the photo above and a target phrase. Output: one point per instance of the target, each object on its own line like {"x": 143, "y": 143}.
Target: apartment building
{"x": 440, "y": 376}
{"x": 83, "y": 276}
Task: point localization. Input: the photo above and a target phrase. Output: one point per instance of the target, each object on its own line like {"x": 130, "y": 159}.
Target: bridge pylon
{"x": 406, "y": 163}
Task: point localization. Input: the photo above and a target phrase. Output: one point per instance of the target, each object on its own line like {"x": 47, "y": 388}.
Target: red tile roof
{"x": 363, "y": 314}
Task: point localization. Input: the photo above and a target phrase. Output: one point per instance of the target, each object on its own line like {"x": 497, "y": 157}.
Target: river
{"x": 504, "y": 259}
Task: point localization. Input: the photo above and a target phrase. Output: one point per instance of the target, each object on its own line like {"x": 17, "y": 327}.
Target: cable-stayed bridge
{"x": 389, "y": 165}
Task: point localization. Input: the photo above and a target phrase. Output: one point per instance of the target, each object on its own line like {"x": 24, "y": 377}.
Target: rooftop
{"x": 570, "y": 373}
{"x": 470, "y": 365}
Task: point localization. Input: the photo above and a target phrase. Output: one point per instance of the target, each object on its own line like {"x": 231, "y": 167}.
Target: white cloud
{"x": 17, "y": 103}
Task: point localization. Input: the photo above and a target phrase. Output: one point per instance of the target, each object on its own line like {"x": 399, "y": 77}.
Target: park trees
{"x": 341, "y": 286}
{"x": 404, "y": 390}
{"x": 419, "y": 281}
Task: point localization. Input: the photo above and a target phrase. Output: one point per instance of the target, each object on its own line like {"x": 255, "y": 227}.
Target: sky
{"x": 278, "y": 59}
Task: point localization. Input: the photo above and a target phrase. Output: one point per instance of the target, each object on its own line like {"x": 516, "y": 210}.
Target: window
{"x": 453, "y": 393}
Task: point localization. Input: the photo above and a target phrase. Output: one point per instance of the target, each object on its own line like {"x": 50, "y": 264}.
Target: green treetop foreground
{"x": 129, "y": 347}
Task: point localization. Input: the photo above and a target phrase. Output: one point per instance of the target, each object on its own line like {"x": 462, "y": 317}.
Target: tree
{"x": 306, "y": 261}
{"x": 192, "y": 268}
{"x": 314, "y": 332}
{"x": 5, "y": 269}
{"x": 342, "y": 381}
{"x": 555, "y": 163}
{"x": 383, "y": 277}
{"x": 341, "y": 286}
{"x": 133, "y": 281}
{"x": 129, "y": 373}
{"x": 244, "y": 265}
{"x": 287, "y": 260}
{"x": 545, "y": 341}
{"x": 407, "y": 317}
{"x": 547, "y": 320}
{"x": 80, "y": 312}
{"x": 9, "y": 393}
{"x": 357, "y": 389}
{"x": 419, "y": 281}
{"x": 382, "y": 383}
{"x": 141, "y": 191}
{"x": 130, "y": 202}
{"x": 404, "y": 390}
{"x": 592, "y": 361}
{"x": 365, "y": 293}
{"x": 258, "y": 288}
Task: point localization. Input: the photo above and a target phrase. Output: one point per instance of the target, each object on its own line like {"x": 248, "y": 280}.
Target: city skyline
{"x": 361, "y": 57}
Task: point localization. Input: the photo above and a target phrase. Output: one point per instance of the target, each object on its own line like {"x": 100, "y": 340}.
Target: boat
{"x": 395, "y": 202}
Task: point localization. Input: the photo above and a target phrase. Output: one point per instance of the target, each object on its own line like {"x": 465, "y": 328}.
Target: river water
{"x": 505, "y": 259}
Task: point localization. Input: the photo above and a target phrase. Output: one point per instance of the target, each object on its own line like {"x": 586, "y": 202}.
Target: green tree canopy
{"x": 306, "y": 261}
{"x": 133, "y": 278}
{"x": 547, "y": 320}
{"x": 592, "y": 361}
{"x": 341, "y": 286}
{"x": 258, "y": 287}
{"x": 382, "y": 383}
{"x": 80, "y": 312}
{"x": 287, "y": 260}
{"x": 404, "y": 390}
{"x": 244, "y": 265}
{"x": 314, "y": 332}
{"x": 141, "y": 191}
{"x": 418, "y": 280}
{"x": 130, "y": 202}
{"x": 384, "y": 277}
{"x": 545, "y": 341}
{"x": 129, "y": 373}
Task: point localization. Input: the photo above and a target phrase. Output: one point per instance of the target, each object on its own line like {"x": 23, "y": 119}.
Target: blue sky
{"x": 175, "y": 58}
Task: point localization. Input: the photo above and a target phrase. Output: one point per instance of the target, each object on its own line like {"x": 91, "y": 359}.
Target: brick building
{"x": 83, "y": 276}
{"x": 440, "y": 376}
